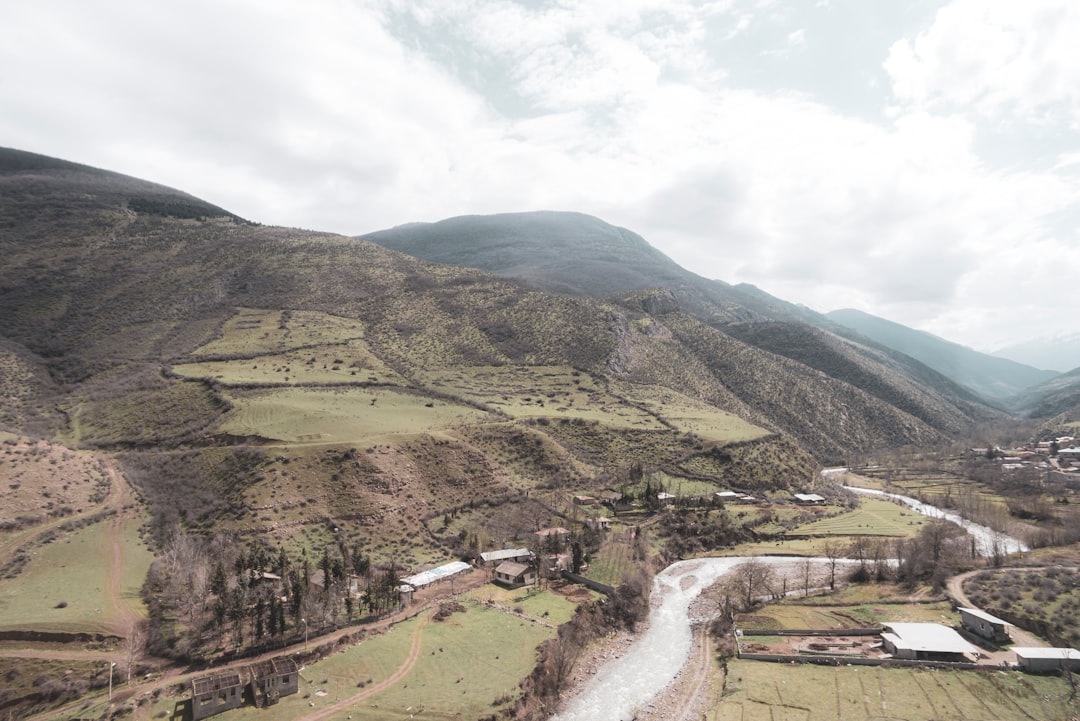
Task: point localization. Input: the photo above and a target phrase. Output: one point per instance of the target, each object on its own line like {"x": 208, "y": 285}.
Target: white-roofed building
{"x": 1046, "y": 660}
{"x": 926, "y": 642}
{"x": 440, "y": 573}
{"x": 809, "y": 499}
{"x": 983, "y": 625}
{"x": 521, "y": 555}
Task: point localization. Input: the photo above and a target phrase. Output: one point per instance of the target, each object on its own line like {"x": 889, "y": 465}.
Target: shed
{"x": 984, "y": 625}
{"x": 1046, "y": 660}
{"x": 441, "y": 573}
{"x": 216, "y": 693}
{"x": 272, "y": 679}
{"x": 809, "y": 499}
{"x": 514, "y": 575}
{"x": 521, "y": 555}
{"x": 926, "y": 642}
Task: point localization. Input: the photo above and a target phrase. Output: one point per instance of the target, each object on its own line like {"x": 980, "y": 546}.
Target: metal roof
{"x": 505, "y": 553}
{"x": 436, "y": 574}
{"x": 932, "y": 637}
{"x": 984, "y": 616}
{"x": 1057, "y": 654}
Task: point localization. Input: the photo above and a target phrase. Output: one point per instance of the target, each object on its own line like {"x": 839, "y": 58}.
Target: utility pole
{"x": 304, "y": 621}
{"x": 111, "y": 667}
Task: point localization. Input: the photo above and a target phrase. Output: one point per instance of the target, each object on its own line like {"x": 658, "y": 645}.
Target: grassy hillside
{"x": 285, "y": 382}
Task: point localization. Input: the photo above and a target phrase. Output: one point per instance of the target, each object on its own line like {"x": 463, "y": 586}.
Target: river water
{"x": 628, "y": 683}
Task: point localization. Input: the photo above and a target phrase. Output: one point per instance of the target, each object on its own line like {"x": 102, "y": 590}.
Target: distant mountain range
{"x": 995, "y": 378}
{"x": 1058, "y": 352}
{"x": 582, "y": 255}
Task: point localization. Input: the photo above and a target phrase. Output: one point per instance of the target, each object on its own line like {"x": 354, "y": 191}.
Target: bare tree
{"x": 832, "y": 550}
{"x": 134, "y": 647}
{"x": 750, "y": 578}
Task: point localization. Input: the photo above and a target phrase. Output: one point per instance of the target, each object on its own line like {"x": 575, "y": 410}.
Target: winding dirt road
{"x": 389, "y": 681}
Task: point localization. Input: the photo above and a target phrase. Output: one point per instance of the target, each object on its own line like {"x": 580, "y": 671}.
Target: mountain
{"x": 1057, "y": 352}
{"x": 1057, "y": 397}
{"x": 274, "y": 381}
{"x": 991, "y": 377}
{"x": 577, "y": 254}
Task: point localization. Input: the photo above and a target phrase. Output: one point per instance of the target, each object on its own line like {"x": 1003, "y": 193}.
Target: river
{"x": 628, "y": 683}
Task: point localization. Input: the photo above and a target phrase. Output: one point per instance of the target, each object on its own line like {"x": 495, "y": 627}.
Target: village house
{"x": 583, "y": 500}
{"x": 552, "y": 539}
{"x": 600, "y": 523}
{"x": 216, "y": 693}
{"x": 272, "y": 679}
{"x": 514, "y": 575}
{"x": 665, "y": 499}
{"x": 984, "y": 625}
{"x": 262, "y": 683}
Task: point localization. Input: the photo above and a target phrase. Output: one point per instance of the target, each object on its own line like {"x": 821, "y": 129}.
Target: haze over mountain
{"x": 991, "y": 377}
{"x": 1059, "y": 352}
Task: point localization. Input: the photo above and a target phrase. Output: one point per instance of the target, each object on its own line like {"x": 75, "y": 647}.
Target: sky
{"x": 914, "y": 159}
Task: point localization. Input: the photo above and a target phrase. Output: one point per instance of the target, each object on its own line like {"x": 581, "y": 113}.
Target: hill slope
{"x": 581, "y": 255}
{"x": 285, "y": 383}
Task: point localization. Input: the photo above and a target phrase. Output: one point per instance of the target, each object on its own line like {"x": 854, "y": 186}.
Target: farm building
{"x": 926, "y": 642}
{"x": 809, "y": 499}
{"x": 216, "y": 693}
{"x": 440, "y": 573}
{"x": 984, "y": 625}
{"x": 272, "y": 679}
{"x": 514, "y": 575}
{"x": 521, "y": 555}
{"x": 1046, "y": 660}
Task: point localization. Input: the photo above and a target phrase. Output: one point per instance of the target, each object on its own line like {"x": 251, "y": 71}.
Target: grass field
{"x": 533, "y": 601}
{"x": 350, "y": 362}
{"x": 796, "y": 615}
{"x": 257, "y": 331}
{"x": 873, "y": 517}
{"x": 64, "y": 586}
{"x": 769, "y": 691}
{"x": 299, "y": 415}
{"x": 466, "y": 662}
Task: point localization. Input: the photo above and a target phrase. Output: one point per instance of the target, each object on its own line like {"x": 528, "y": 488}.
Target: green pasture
{"x": 814, "y": 614}
{"x": 770, "y": 691}
{"x": 540, "y": 391}
{"x": 613, "y": 563}
{"x": 689, "y": 415}
{"x": 311, "y": 415}
{"x": 533, "y": 601}
{"x": 873, "y": 517}
{"x": 73, "y": 571}
{"x": 467, "y": 662}
{"x": 256, "y": 331}
{"x": 352, "y": 362}
{"x": 562, "y": 392}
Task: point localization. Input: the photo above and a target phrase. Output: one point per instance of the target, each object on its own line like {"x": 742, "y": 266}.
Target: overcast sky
{"x": 918, "y": 160}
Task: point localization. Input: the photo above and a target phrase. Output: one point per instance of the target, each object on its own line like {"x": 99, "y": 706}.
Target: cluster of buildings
{"x": 931, "y": 643}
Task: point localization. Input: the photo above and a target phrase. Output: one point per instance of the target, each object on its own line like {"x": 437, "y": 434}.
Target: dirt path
{"x": 1019, "y": 636}
{"x": 388, "y": 682}
{"x": 123, "y": 618}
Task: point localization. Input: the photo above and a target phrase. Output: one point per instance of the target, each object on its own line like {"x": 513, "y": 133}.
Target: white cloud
{"x": 353, "y": 117}
{"x": 1000, "y": 59}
